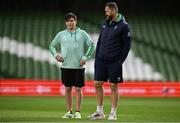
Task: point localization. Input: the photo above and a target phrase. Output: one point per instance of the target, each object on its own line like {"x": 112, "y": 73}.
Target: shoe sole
{"x": 97, "y": 118}
{"x": 111, "y": 119}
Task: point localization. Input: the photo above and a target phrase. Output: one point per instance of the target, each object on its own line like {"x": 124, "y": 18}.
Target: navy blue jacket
{"x": 114, "y": 42}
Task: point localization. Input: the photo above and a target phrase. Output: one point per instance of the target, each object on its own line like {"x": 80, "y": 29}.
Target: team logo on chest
{"x": 119, "y": 78}
{"x": 115, "y": 27}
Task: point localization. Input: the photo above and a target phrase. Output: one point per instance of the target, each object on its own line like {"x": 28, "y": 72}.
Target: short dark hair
{"x": 69, "y": 16}
{"x": 112, "y": 5}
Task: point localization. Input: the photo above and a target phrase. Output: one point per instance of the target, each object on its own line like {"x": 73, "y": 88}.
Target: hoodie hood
{"x": 119, "y": 17}
{"x": 74, "y": 32}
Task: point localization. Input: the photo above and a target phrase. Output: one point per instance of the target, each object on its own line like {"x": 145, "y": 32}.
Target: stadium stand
{"x": 25, "y": 37}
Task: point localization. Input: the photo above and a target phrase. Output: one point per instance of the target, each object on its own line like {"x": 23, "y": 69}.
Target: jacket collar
{"x": 119, "y": 17}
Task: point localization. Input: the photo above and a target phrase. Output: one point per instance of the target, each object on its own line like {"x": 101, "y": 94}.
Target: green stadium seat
{"x": 5, "y": 62}
{"x": 37, "y": 70}
{"x": 169, "y": 67}
{"x": 160, "y": 66}
{"x": 176, "y": 70}
{"x": 45, "y": 70}
{"x": 29, "y": 67}
{"x": 13, "y": 66}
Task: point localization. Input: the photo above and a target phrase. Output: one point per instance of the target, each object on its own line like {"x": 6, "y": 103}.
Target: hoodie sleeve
{"x": 90, "y": 45}
{"x": 98, "y": 45}
{"x": 53, "y": 44}
{"x": 126, "y": 43}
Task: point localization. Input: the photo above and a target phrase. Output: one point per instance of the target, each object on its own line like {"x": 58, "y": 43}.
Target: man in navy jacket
{"x": 112, "y": 49}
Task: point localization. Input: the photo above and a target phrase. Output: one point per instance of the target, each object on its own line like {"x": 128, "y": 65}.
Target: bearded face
{"x": 109, "y": 13}
{"x": 109, "y": 17}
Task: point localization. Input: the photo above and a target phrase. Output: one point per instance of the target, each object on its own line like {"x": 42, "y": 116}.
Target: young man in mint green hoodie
{"x": 72, "y": 42}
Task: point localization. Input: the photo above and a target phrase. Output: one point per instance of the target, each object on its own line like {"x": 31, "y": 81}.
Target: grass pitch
{"x": 50, "y": 109}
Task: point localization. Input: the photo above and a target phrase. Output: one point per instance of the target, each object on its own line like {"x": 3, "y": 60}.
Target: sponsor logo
{"x": 129, "y": 34}
{"x": 119, "y": 78}
{"x": 115, "y": 27}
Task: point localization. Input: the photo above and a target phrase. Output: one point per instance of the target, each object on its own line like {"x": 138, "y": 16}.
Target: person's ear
{"x": 113, "y": 11}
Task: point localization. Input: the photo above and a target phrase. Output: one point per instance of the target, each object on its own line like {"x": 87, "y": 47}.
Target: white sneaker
{"x": 97, "y": 116}
{"x": 68, "y": 115}
{"x": 112, "y": 116}
{"x": 77, "y": 115}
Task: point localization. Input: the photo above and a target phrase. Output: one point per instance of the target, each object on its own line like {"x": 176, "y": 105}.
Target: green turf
{"x": 50, "y": 109}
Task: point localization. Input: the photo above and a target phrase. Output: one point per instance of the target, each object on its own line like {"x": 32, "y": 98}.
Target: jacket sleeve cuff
{"x": 56, "y": 54}
{"x": 84, "y": 58}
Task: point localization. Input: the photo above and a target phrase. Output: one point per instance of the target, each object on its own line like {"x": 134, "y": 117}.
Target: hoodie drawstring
{"x": 74, "y": 35}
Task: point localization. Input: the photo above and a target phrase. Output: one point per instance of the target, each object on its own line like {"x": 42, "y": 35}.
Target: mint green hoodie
{"x": 72, "y": 47}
